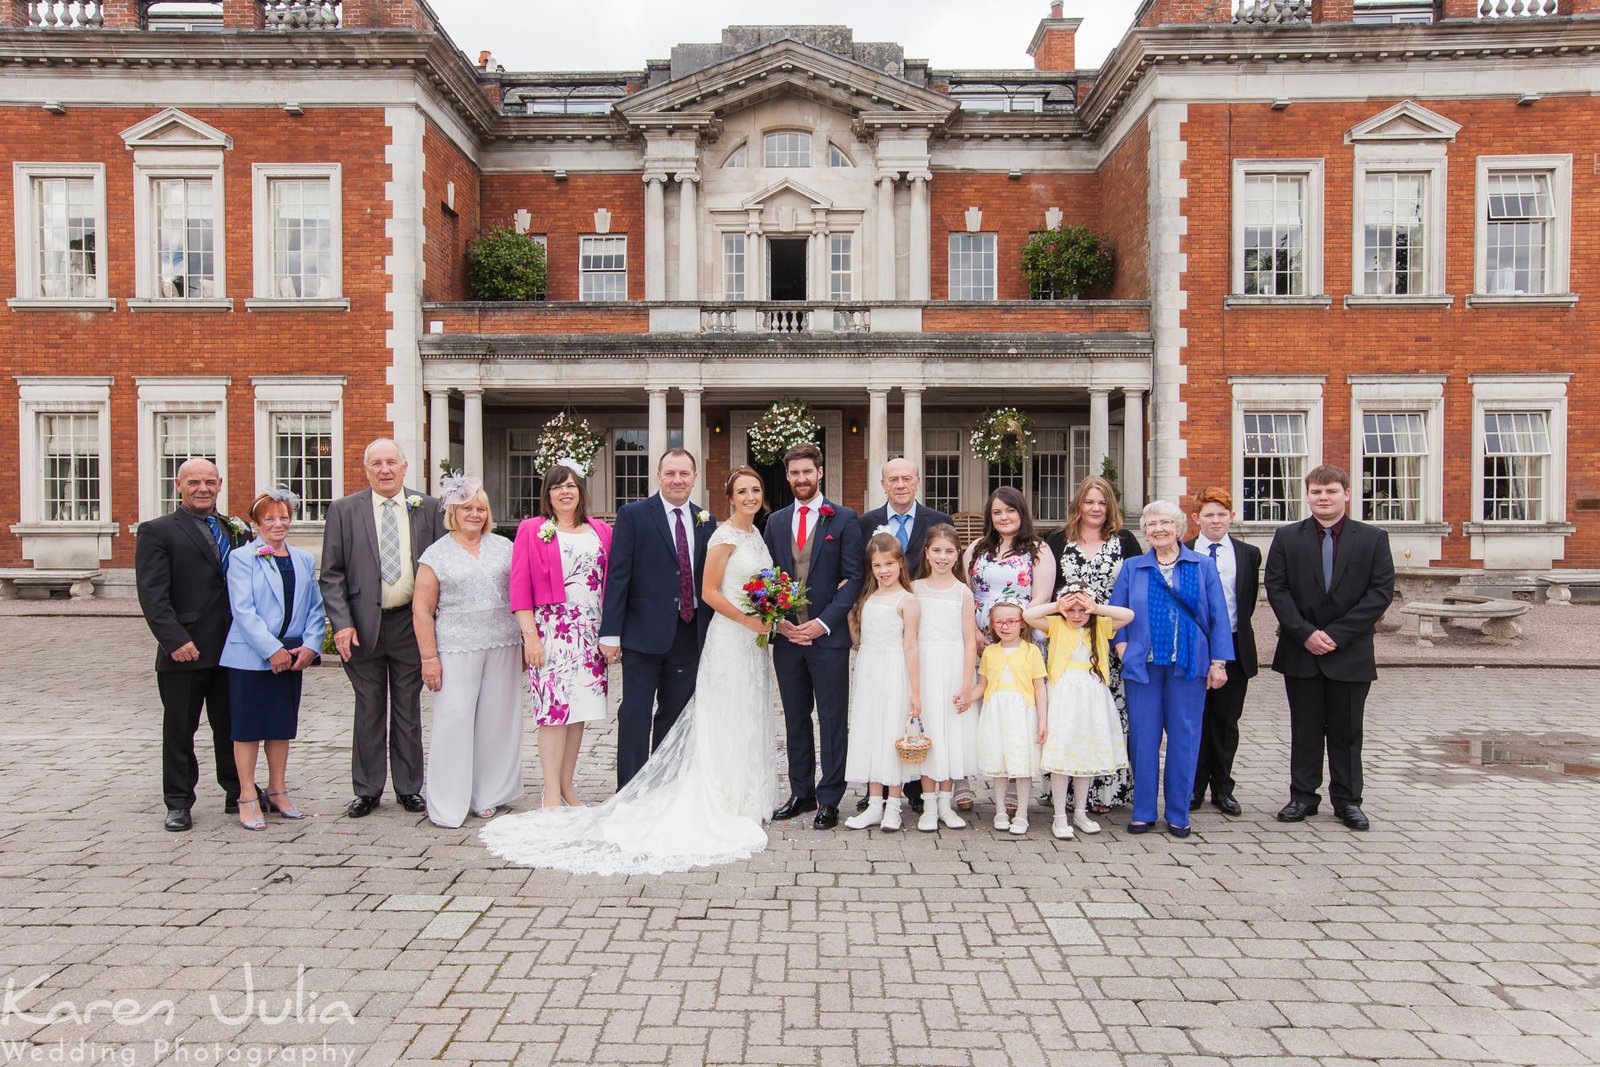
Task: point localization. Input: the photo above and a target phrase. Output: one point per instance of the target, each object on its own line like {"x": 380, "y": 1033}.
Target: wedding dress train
{"x": 707, "y": 791}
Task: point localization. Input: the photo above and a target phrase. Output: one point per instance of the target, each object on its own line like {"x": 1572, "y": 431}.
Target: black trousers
{"x": 183, "y": 694}
{"x": 1219, "y": 735}
{"x": 811, "y": 676}
{"x": 663, "y": 683}
{"x": 388, "y": 721}
{"x": 1325, "y": 713}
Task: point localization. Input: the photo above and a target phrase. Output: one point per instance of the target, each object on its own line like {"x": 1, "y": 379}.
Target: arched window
{"x": 736, "y": 158}
{"x": 837, "y": 158}
{"x": 787, "y": 148}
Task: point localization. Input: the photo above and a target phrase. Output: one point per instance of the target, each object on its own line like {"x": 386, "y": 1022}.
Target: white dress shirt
{"x": 1228, "y": 568}
{"x": 812, "y": 517}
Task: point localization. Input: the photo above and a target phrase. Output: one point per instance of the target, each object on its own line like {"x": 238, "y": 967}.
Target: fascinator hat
{"x": 456, "y": 489}
{"x": 572, "y": 465}
{"x": 277, "y": 495}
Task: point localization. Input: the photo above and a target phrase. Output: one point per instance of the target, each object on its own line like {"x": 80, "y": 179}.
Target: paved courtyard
{"x": 1463, "y": 929}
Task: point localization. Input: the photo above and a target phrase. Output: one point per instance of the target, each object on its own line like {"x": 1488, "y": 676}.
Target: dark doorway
{"x": 775, "y": 486}
{"x": 786, "y": 265}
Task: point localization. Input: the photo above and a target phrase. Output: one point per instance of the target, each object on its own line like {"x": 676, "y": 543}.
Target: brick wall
{"x": 1012, "y": 209}
{"x": 564, "y": 211}
{"x": 1125, "y": 179}
{"x": 444, "y": 253}
{"x": 236, "y": 344}
{"x": 539, "y": 318}
{"x": 1455, "y": 341}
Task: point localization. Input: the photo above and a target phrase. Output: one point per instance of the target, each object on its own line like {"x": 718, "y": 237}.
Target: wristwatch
{"x": 1220, "y": 663}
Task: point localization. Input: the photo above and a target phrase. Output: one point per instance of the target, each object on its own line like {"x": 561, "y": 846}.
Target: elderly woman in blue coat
{"x": 277, "y": 630}
{"x": 1177, "y": 646}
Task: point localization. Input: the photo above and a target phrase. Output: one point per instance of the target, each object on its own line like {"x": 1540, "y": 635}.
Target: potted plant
{"x": 1066, "y": 262}
{"x": 506, "y": 265}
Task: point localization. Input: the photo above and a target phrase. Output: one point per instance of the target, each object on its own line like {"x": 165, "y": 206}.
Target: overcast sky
{"x": 614, "y": 35}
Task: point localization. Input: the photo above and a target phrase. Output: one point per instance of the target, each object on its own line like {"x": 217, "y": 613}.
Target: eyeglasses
{"x": 1160, "y": 524}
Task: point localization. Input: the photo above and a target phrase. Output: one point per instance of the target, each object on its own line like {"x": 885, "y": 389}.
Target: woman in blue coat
{"x": 1177, "y": 646}
{"x": 267, "y": 649}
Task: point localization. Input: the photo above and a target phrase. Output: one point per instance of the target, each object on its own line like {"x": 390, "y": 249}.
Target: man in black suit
{"x": 179, "y": 565}
{"x": 653, "y": 619}
{"x": 909, "y": 521}
{"x": 1239, "y": 565}
{"x": 820, "y": 545}
{"x": 1329, "y": 580}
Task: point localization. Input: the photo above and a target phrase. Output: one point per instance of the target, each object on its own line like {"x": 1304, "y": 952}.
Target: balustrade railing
{"x": 66, "y": 15}
{"x": 302, "y": 14}
{"x": 717, "y": 320}
{"x": 773, "y": 318}
{"x": 1272, "y": 12}
{"x": 784, "y": 320}
{"x": 1518, "y": 9}
{"x": 852, "y": 320}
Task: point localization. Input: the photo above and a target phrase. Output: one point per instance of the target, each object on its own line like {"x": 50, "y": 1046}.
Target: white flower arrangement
{"x": 782, "y": 426}
{"x": 702, "y": 516}
{"x": 567, "y": 437}
{"x": 413, "y": 502}
{"x": 237, "y": 527}
{"x": 1002, "y": 436}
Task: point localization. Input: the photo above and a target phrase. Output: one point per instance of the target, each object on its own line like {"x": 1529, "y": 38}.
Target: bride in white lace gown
{"x": 707, "y": 791}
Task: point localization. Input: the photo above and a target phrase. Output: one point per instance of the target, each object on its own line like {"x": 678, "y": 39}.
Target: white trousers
{"x": 475, "y": 746}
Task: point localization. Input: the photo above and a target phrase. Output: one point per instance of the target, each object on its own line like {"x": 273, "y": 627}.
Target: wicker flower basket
{"x": 913, "y": 748}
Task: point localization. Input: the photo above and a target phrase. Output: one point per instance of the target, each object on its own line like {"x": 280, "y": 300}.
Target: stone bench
{"x": 1558, "y": 585}
{"x": 78, "y": 584}
{"x": 1500, "y": 625}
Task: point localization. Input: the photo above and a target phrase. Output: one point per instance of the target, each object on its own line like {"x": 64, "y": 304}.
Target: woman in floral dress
{"x": 1089, "y": 551}
{"x": 558, "y": 576}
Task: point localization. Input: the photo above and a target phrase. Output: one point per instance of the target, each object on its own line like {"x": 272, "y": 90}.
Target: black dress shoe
{"x": 827, "y": 817}
{"x": 796, "y": 806}
{"x": 361, "y": 807}
{"x": 1353, "y": 817}
{"x": 178, "y": 819}
{"x": 1177, "y": 831}
{"x": 1139, "y": 827}
{"x": 1196, "y": 800}
{"x": 913, "y": 794}
{"x": 1227, "y": 805}
{"x": 861, "y": 805}
{"x": 412, "y": 802}
{"x": 1296, "y": 811}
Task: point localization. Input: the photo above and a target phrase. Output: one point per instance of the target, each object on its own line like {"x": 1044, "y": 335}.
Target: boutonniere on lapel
{"x": 413, "y": 502}
{"x": 701, "y": 517}
{"x": 264, "y": 551}
{"x": 237, "y": 527}
{"x": 826, "y": 511}
{"x": 547, "y": 532}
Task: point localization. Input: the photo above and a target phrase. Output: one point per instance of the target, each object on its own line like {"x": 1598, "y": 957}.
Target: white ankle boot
{"x": 891, "y": 814}
{"x": 872, "y": 816}
{"x": 947, "y": 812}
{"x": 928, "y": 821}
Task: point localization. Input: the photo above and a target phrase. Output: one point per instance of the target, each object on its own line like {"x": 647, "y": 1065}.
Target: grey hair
{"x": 1168, "y": 509}
{"x": 366, "y": 453}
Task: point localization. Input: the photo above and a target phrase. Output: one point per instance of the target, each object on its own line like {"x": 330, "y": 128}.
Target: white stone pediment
{"x": 173, "y": 129}
{"x": 1405, "y": 121}
{"x": 785, "y": 67}
{"x": 795, "y": 191}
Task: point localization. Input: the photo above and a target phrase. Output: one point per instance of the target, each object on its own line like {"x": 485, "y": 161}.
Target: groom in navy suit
{"x": 820, "y": 545}
{"x": 653, "y": 619}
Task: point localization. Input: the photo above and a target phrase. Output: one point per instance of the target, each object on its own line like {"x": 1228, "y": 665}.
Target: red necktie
{"x": 800, "y": 538}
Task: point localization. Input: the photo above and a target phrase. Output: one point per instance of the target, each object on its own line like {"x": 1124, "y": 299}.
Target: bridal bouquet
{"x": 770, "y": 595}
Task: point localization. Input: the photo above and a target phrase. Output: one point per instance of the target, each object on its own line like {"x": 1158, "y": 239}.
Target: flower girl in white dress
{"x": 884, "y": 689}
{"x": 946, "y": 646}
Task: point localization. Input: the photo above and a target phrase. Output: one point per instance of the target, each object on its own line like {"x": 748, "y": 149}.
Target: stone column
{"x": 920, "y": 237}
{"x": 911, "y": 421}
{"x": 1099, "y": 428}
{"x": 692, "y": 422}
{"x": 877, "y": 443}
{"x": 755, "y": 267}
{"x": 883, "y": 255}
{"x": 655, "y": 243}
{"x": 472, "y": 433}
{"x": 658, "y": 430}
{"x": 1132, "y": 451}
{"x": 438, "y": 435}
{"x": 688, "y": 238}
{"x": 817, "y": 287}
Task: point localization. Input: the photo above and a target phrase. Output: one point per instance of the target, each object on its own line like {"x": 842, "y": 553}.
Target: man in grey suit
{"x": 369, "y": 565}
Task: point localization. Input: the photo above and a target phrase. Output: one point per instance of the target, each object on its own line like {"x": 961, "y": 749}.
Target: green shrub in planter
{"x": 1066, "y": 262}
{"x": 505, "y": 265}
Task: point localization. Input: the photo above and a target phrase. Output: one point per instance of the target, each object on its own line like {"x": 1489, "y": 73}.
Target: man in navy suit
{"x": 1239, "y": 566}
{"x": 820, "y": 545}
{"x": 653, "y": 619}
{"x": 909, "y": 521}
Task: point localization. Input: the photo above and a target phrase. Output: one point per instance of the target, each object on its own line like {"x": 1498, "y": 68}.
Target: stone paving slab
{"x": 1464, "y": 929}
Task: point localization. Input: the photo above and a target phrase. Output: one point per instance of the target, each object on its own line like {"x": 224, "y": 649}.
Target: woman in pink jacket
{"x": 558, "y": 578}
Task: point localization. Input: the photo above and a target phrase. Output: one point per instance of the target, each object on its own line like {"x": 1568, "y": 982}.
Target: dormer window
{"x": 837, "y": 158}
{"x": 787, "y": 148}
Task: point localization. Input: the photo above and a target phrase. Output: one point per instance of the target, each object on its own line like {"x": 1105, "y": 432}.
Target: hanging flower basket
{"x": 782, "y": 426}
{"x": 1002, "y": 436}
{"x": 567, "y": 437}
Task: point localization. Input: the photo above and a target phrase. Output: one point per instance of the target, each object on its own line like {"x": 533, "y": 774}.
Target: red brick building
{"x": 1354, "y": 231}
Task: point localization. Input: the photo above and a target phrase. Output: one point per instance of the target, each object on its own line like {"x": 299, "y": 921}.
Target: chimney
{"x": 1052, "y": 47}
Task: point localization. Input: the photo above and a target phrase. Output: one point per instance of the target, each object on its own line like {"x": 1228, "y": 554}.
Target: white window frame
{"x": 1400, "y": 393}
{"x": 29, "y": 293}
{"x": 296, "y": 395}
{"x": 194, "y": 164}
{"x": 262, "y": 175}
{"x": 1545, "y": 393}
{"x": 164, "y": 396}
{"x": 40, "y": 396}
{"x": 841, "y": 283}
{"x": 1311, "y": 171}
{"x": 582, "y": 274}
{"x": 1287, "y": 393}
{"x": 735, "y": 243}
{"x": 1396, "y": 159}
{"x": 808, "y": 138}
{"x": 950, "y": 266}
{"x": 1558, "y": 252}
